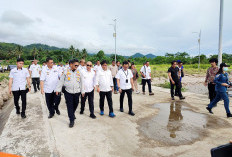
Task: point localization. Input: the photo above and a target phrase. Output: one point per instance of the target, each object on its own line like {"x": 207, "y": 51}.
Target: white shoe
{"x": 137, "y": 92}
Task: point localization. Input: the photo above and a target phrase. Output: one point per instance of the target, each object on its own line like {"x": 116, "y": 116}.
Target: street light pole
{"x": 220, "y": 33}
{"x": 115, "y": 38}
{"x": 199, "y": 49}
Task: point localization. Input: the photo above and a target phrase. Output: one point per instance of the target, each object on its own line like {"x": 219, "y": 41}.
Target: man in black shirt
{"x": 173, "y": 74}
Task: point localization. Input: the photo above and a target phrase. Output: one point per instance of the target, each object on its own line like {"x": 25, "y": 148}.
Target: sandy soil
{"x": 123, "y": 135}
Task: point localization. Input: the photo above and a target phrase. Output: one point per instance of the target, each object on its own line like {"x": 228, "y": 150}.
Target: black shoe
{"x": 81, "y": 112}
{"x": 92, "y": 116}
{"x": 131, "y": 113}
{"x": 173, "y": 98}
{"x": 71, "y": 124}
{"x": 50, "y": 116}
{"x": 58, "y": 111}
{"x": 17, "y": 112}
{"x": 209, "y": 109}
{"x": 121, "y": 110}
{"x": 181, "y": 98}
{"x": 176, "y": 94}
{"x": 229, "y": 115}
{"x": 23, "y": 115}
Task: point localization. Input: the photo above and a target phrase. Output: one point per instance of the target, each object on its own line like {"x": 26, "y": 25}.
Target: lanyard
{"x": 145, "y": 69}
{"x": 125, "y": 73}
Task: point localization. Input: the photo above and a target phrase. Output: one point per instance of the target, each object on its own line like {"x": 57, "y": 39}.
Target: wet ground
{"x": 177, "y": 124}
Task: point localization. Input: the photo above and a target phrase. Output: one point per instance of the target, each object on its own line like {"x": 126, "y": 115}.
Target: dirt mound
{"x": 4, "y": 95}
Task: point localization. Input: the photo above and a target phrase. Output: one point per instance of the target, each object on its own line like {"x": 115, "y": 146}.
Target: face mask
{"x": 225, "y": 68}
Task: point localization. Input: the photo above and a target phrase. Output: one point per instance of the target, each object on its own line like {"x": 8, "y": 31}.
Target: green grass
{"x": 4, "y": 75}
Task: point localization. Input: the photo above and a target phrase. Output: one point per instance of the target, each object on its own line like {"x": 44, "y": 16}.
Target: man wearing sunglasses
{"x": 73, "y": 83}
{"x": 89, "y": 85}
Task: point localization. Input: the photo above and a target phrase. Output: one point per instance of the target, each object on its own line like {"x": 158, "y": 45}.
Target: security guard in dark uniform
{"x": 73, "y": 85}
{"x": 222, "y": 83}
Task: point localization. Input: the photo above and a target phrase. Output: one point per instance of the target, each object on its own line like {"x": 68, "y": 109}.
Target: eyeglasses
{"x": 76, "y": 65}
{"x": 89, "y": 65}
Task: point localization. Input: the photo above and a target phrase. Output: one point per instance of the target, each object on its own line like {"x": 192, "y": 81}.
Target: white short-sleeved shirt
{"x": 61, "y": 69}
{"x": 146, "y": 71}
{"x": 123, "y": 76}
{"x": 35, "y": 69}
{"x": 44, "y": 66}
{"x": 97, "y": 68}
{"x": 89, "y": 80}
{"x": 19, "y": 78}
{"x": 50, "y": 77}
{"x": 81, "y": 68}
{"x": 104, "y": 80}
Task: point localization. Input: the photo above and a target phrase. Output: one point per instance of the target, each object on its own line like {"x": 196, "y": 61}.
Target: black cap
{"x": 224, "y": 65}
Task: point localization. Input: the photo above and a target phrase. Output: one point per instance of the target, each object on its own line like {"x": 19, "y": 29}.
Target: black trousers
{"x": 90, "y": 96}
{"x": 178, "y": 88}
{"x": 176, "y": 91}
{"x": 129, "y": 96}
{"x": 36, "y": 82}
{"x": 108, "y": 96}
{"x": 115, "y": 83}
{"x": 23, "y": 95}
{"x": 212, "y": 92}
{"x": 148, "y": 81}
{"x": 72, "y": 101}
{"x": 52, "y": 101}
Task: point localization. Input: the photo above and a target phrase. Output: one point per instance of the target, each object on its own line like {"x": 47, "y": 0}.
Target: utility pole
{"x": 220, "y": 33}
{"x": 199, "y": 49}
{"x": 115, "y": 38}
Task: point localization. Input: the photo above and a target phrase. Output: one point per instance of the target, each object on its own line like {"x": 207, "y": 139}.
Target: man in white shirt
{"x": 35, "y": 72}
{"x": 146, "y": 77}
{"x": 19, "y": 77}
{"x": 125, "y": 85}
{"x": 82, "y": 65}
{"x": 48, "y": 82}
{"x": 114, "y": 70}
{"x": 97, "y": 67}
{"x": 104, "y": 83}
{"x": 44, "y": 65}
{"x": 61, "y": 68}
{"x": 89, "y": 85}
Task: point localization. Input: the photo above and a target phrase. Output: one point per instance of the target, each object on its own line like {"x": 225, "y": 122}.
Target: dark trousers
{"x": 36, "y": 82}
{"x": 129, "y": 96}
{"x": 212, "y": 92}
{"x": 115, "y": 83}
{"x": 148, "y": 81}
{"x": 178, "y": 88}
{"x": 108, "y": 96}
{"x": 52, "y": 101}
{"x": 219, "y": 96}
{"x": 176, "y": 91}
{"x": 90, "y": 96}
{"x": 17, "y": 95}
{"x": 72, "y": 101}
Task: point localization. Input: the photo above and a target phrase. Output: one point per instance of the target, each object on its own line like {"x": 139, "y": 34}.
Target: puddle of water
{"x": 177, "y": 124}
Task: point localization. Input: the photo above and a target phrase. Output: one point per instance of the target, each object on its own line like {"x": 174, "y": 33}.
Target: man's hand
{"x": 225, "y": 84}
{"x": 57, "y": 93}
{"x": 10, "y": 92}
{"x": 29, "y": 89}
{"x": 112, "y": 89}
{"x": 83, "y": 95}
{"x": 120, "y": 91}
{"x": 132, "y": 88}
{"x": 173, "y": 82}
{"x": 205, "y": 83}
{"x": 42, "y": 91}
{"x": 98, "y": 89}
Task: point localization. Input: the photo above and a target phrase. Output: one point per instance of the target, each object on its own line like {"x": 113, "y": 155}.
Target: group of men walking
{"x": 76, "y": 80}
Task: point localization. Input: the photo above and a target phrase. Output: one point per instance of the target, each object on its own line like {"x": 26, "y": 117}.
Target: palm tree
{"x": 84, "y": 53}
{"x": 72, "y": 50}
{"x": 34, "y": 52}
{"x": 40, "y": 50}
{"x": 19, "y": 51}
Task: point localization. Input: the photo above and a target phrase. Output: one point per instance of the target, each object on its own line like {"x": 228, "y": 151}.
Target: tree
{"x": 19, "y": 51}
{"x": 100, "y": 54}
{"x": 84, "y": 54}
{"x": 34, "y": 53}
{"x": 40, "y": 50}
{"x": 72, "y": 51}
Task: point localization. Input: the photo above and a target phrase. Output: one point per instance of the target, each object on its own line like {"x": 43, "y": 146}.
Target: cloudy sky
{"x": 146, "y": 26}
